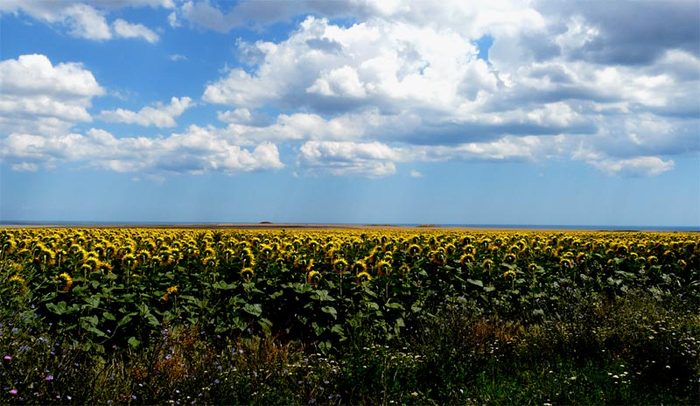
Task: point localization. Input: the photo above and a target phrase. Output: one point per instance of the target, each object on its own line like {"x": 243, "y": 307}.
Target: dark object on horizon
{"x": 265, "y": 222}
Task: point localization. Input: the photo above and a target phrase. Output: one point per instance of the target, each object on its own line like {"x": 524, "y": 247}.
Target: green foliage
{"x": 352, "y": 316}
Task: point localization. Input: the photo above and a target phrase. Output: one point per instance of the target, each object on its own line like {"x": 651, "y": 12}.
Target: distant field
{"x": 280, "y": 313}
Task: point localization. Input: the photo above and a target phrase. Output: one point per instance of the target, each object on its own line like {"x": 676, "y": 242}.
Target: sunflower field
{"x": 353, "y": 315}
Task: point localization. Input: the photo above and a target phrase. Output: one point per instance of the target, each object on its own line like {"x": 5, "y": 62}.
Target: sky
{"x": 360, "y": 111}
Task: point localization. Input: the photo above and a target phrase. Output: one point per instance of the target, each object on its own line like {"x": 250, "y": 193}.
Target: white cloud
{"x": 417, "y": 85}
{"x": 87, "y": 19}
{"x": 388, "y": 65}
{"x": 38, "y": 96}
{"x": 195, "y": 151}
{"x": 239, "y": 115}
{"x": 177, "y": 57}
{"x": 86, "y": 22}
{"x": 415, "y": 174}
{"x": 160, "y": 115}
{"x": 127, "y": 30}
{"x": 347, "y": 158}
{"x": 639, "y": 166}
{"x": 173, "y": 21}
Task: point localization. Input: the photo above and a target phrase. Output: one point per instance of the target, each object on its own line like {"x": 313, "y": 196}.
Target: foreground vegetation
{"x": 348, "y": 316}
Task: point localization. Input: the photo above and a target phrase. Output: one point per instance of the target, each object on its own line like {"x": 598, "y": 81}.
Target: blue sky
{"x": 567, "y": 113}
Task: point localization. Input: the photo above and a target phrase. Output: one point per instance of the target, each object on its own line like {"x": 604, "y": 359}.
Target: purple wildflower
{"x": 13, "y": 392}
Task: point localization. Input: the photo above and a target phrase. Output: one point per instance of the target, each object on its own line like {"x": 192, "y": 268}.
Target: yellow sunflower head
{"x": 363, "y": 277}
{"x": 67, "y": 282}
{"x": 340, "y": 265}
{"x": 313, "y": 277}
{"x": 247, "y": 273}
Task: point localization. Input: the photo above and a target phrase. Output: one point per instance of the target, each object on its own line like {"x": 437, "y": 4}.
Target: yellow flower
{"x": 383, "y": 268}
{"x": 509, "y": 274}
{"x": 247, "y": 273}
{"x": 68, "y": 282}
{"x": 340, "y": 265}
{"x": 313, "y": 277}
{"x": 363, "y": 276}
{"x": 170, "y": 291}
{"x": 17, "y": 279}
{"x": 466, "y": 259}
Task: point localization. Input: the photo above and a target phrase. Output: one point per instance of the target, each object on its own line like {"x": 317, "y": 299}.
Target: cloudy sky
{"x": 493, "y": 112}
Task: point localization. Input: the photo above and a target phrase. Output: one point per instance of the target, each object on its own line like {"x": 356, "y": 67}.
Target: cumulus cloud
{"x": 87, "y": 19}
{"x": 160, "y": 115}
{"x": 195, "y": 151}
{"x": 38, "y": 96}
{"x": 557, "y": 80}
{"x": 639, "y": 166}
{"x": 127, "y": 30}
{"x": 348, "y": 158}
{"x": 400, "y": 82}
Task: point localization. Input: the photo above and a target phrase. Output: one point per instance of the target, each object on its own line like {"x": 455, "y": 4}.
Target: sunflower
{"x": 383, "y": 268}
{"x": 359, "y": 267}
{"x": 247, "y": 273}
{"x": 68, "y": 282}
{"x": 363, "y": 277}
{"x": 313, "y": 277}
{"x": 414, "y": 250}
{"x": 566, "y": 263}
{"x": 509, "y": 274}
{"x": 340, "y": 265}
{"x": 487, "y": 264}
{"x": 466, "y": 259}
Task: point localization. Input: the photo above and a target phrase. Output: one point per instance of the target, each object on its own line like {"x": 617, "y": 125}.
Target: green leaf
{"x": 108, "y": 316}
{"x": 93, "y": 301}
{"x": 152, "y": 320}
{"x": 338, "y": 329}
{"x": 221, "y": 285}
{"x": 266, "y": 325}
{"x": 323, "y": 296}
{"x": 59, "y": 308}
{"x": 476, "y": 282}
{"x": 133, "y": 342}
{"x": 330, "y": 310}
{"x": 95, "y": 331}
{"x": 254, "y": 309}
{"x": 126, "y": 319}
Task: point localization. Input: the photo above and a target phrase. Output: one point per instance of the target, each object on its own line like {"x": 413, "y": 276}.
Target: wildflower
{"x": 13, "y": 392}
{"x": 170, "y": 291}
{"x": 17, "y": 279}
{"x": 49, "y": 378}
{"x": 7, "y": 358}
